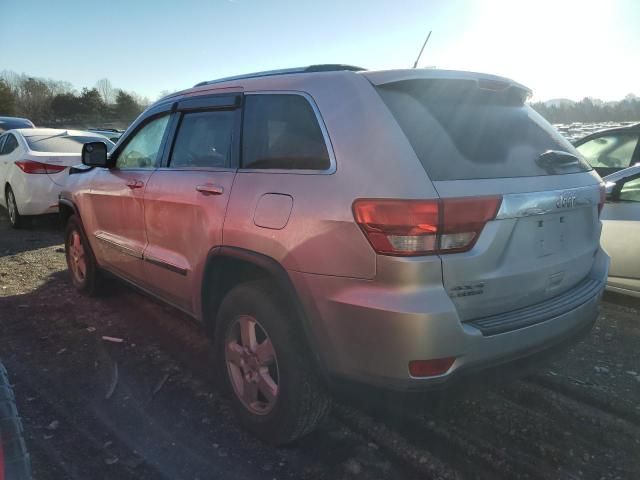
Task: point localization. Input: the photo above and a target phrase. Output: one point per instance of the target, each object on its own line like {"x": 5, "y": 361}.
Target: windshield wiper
{"x": 554, "y": 160}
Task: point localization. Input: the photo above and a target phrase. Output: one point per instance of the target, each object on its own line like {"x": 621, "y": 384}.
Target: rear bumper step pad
{"x": 540, "y": 312}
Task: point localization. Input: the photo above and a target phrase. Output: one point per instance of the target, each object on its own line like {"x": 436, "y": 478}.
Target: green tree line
{"x": 54, "y": 103}
{"x": 589, "y": 110}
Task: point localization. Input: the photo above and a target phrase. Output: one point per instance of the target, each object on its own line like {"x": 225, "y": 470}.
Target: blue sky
{"x": 559, "y": 48}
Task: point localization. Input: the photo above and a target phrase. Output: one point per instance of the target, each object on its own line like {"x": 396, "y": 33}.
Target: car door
{"x": 186, "y": 200}
{"x": 609, "y": 152}
{"x": 621, "y": 234}
{"x": 116, "y": 198}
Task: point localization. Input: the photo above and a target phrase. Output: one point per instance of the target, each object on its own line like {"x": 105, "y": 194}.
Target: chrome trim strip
{"x": 323, "y": 128}
{"x": 162, "y": 264}
{"x": 517, "y": 205}
{"x": 118, "y": 246}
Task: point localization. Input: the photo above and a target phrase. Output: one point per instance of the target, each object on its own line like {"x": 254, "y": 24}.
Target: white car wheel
{"x": 14, "y": 215}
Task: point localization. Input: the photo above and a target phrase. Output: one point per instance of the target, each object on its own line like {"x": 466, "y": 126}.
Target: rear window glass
{"x": 460, "y": 131}
{"x": 62, "y": 144}
{"x": 9, "y": 124}
{"x": 281, "y": 131}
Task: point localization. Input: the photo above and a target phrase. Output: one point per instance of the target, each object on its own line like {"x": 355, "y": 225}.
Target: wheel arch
{"x": 66, "y": 209}
{"x": 227, "y": 267}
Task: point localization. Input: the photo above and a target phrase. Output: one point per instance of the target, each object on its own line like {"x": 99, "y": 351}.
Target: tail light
{"x": 424, "y": 227}
{"x": 31, "y": 166}
{"x": 603, "y": 197}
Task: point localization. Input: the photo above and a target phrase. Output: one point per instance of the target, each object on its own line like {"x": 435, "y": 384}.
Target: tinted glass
{"x": 460, "y": 131}
{"x": 10, "y": 144}
{"x": 143, "y": 148}
{"x": 630, "y": 191}
{"x": 11, "y": 123}
{"x": 282, "y": 131}
{"x": 204, "y": 140}
{"x": 612, "y": 150}
{"x": 62, "y": 144}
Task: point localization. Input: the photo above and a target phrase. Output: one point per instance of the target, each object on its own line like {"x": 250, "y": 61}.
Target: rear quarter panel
{"x": 373, "y": 160}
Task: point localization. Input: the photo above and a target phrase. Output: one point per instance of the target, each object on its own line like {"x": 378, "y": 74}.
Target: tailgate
{"x": 541, "y": 244}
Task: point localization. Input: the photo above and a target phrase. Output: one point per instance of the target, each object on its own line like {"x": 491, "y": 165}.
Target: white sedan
{"x": 34, "y": 164}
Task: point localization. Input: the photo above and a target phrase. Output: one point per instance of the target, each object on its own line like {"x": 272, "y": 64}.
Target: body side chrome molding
{"x": 162, "y": 264}
{"x": 108, "y": 240}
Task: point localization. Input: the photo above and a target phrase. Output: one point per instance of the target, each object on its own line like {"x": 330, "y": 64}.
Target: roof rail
{"x": 329, "y": 67}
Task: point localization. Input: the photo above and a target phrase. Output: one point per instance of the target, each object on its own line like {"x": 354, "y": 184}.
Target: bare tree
{"x": 107, "y": 92}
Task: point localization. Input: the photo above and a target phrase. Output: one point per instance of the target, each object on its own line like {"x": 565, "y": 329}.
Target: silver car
{"x": 396, "y": 228}
{"x": 621, "y": 230}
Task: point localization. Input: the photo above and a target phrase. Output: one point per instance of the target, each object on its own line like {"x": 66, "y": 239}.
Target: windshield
{"x": 62, "y": 144}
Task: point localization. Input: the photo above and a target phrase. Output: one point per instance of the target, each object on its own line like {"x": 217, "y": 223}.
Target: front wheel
{"x": 80, "y": 260}
{"x": 263, "y": 365}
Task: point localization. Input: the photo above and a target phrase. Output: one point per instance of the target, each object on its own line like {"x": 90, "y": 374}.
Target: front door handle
{"x": 133, "y": 184}
{"x": 209, "y": 189}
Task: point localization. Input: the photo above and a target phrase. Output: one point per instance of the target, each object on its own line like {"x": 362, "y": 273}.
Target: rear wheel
{"x": 16, "y": 220}
{"x": 80, "y": 260}
{"x": 263, "y": 365}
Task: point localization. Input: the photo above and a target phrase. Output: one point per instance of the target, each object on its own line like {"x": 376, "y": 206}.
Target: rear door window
{"x": 204, "y": 140}
{"x": 613, "y": 150}
{"x": 460, "y": 131}
{"x": 281, "y": 131}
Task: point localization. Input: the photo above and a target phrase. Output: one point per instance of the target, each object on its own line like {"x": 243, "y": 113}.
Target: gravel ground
{"x": 148, "y": 407}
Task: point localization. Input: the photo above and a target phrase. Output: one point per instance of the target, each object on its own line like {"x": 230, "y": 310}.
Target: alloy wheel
{"x": 77, "y": 259}
{"x": 12, "y": 207}
{"x": 252, "y": 365}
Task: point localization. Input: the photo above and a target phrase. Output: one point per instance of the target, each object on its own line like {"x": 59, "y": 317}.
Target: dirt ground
{"x": 148, "y": 407}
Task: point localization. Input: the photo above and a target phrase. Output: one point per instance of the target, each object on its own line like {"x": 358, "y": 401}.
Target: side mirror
{"x": 609, "y": 186}
{"x": 94, "y": 154}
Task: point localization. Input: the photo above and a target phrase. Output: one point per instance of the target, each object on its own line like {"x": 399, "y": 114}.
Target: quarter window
{"x": 281, "y": 131}
{"x": 143, "y": 150}
{"x": 610, "y": 151}
{"x": 204, "y": 140}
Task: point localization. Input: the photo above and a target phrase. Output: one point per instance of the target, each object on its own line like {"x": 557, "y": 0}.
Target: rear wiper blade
{"x": 557, "y": 158}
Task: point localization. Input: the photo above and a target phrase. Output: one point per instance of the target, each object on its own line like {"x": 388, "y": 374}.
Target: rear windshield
{"x": 62, "y": 144}
{"x": 9, "y": 124}
{"x": 460, "y": 131}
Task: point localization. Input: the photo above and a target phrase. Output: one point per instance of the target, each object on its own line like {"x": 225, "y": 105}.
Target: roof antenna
{"x": 422, "y": 49}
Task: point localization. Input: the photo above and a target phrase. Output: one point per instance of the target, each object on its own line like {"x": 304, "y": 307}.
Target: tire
{"x": 13, "y": 450}
{"x": 81, "y": 262}
{"x": 301, "y": 402}
{"x": 16, "y": 220}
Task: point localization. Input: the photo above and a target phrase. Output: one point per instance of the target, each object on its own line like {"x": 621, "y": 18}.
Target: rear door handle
{"x": 209, "y": 189}
{"x": 133, "y": 184}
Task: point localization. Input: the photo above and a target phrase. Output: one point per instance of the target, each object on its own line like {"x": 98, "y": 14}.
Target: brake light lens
{"x": 33, "y": 167}
{"x": 603, "y": 197}
{"x": 424, "y": 227}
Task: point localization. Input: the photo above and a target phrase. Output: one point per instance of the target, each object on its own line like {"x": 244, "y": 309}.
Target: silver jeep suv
{"x": 394, "y": 228}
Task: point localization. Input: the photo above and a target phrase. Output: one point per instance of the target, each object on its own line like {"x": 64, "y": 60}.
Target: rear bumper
{"x": 37, "y": 196}
{"x": 369, "y": 333}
